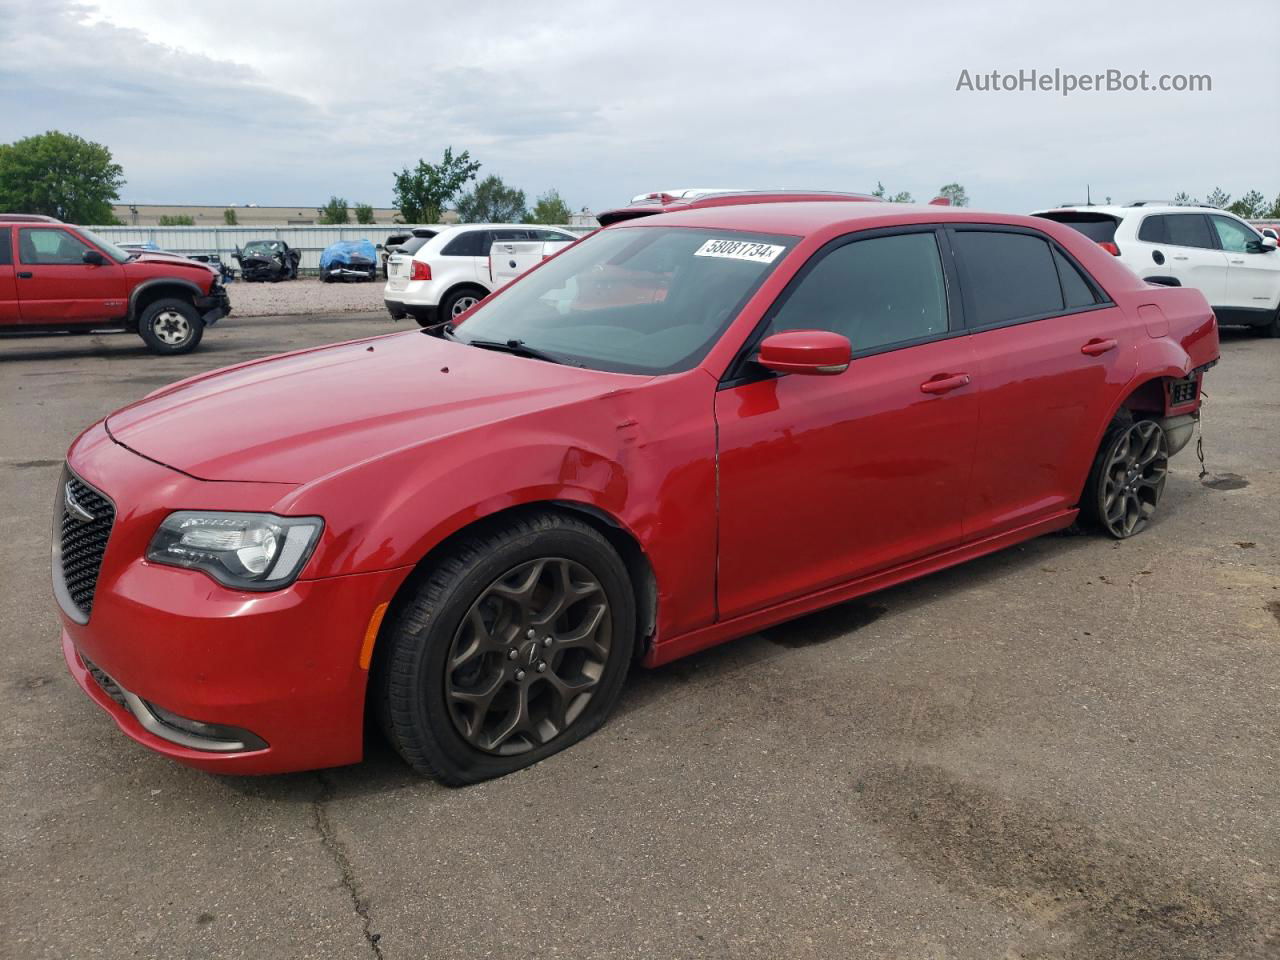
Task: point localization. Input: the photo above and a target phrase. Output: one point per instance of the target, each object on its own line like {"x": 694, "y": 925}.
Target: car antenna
{"x": 1088, "y": 200}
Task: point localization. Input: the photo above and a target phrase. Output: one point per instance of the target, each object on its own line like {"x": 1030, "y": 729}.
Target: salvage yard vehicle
{"x": 349, "y": 260}
{"x": 1225, "y": 258}
{"x": 475, "y": 530}
{"x": 407, "y": 242}
{"x": 58, "y": 278}
{"x": 449, "y": 274}
{"x": 267, "y": 261}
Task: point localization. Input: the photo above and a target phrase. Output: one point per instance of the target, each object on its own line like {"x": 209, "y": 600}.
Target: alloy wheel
{"x": 171, "y": 327}
{"x": 1134, "y": 478}
{"x": 463, "y": 304}
{"x": 527, "y": 657}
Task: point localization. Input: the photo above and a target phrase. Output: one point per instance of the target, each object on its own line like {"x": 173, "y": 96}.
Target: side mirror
{"x": 813, "y": 352}
{"x": 1268, "y": 244}
{"x": 93, "y": 258}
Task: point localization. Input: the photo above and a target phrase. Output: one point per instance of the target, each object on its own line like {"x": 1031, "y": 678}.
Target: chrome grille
{"x": 85, "y": 518}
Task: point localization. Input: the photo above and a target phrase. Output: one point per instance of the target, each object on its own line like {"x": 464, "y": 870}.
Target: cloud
{"x": 606, "y": 99}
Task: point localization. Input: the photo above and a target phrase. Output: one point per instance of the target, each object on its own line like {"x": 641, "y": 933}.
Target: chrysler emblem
{"x": 74, "y": 508}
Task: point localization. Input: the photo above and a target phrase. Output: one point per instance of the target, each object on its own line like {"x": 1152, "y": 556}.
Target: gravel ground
{"x": 306, "y": 295}
{"x": 1064, "y": 751}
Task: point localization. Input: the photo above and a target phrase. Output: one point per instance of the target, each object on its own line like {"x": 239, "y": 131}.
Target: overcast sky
{"x": 287, "y": 103}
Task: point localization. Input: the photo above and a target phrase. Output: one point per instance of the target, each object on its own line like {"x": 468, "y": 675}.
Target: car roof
{"x": 800, "y": 218}
{"x": 27, "y": 218}
{"x": 652, "y": 204}
{"x": 1123, "y": 209}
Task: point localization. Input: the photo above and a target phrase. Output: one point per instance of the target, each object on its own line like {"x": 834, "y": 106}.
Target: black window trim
{"x": 1104, "y": 300}
{"x": 742, "y": 370}
{"x": 6, "y": 246}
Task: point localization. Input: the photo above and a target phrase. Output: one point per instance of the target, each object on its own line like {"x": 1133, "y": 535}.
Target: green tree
{"x": 1250, "y": 206}
{"x": 229, "y": 217}
{"x": 1273, "y": 212}
{"x": 177, "y": 220}
{"x": 59, "y": 175}
{"x": 335, "y": 211}
{"x": 491, "y": 201}
{"x": 364, "y": 213}
{"x": 881, "y": 193}
{"x": 422, "y": 192}
{"x": 955, "y": 193}
{"x": 550, "y": 208}
{"x": 1183, "y": 199}
{"x": 1218, "y": 199}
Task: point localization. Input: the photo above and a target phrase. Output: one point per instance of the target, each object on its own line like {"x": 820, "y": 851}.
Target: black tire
{"x": 324, "y": 276}
{"x": 1127, "y": 478}
{"x": 421, "y": 703}
{"x": 373, "y": 274}
{"x": 170, "y": 327}
{"x": 457, "y": 301}
{"x": 1271, "y": 330}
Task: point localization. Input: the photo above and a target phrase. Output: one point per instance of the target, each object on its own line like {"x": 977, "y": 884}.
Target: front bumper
{"x": 219, "y": 679}
{"x": 213, "y": 307}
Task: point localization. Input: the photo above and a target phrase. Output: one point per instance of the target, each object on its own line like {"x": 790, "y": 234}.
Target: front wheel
{"x": 1271, "y": 329}
{"x": 511, "y": 648}
{"x": 171, "y": 327}
{"x": 1128, "y": 476}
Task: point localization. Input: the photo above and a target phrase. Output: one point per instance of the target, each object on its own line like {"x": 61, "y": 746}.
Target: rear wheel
{"x": 512, "y": 647}
{"x": 1128, "y": 476}
{"x": 459, "y": 302}
{"x": 170, "y": 327}
{"x": 1271, "y": 329}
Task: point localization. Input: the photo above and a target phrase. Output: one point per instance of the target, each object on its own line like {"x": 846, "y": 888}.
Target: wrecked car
{"x": 267, "y": 261}
{"x": 349, "y": 260}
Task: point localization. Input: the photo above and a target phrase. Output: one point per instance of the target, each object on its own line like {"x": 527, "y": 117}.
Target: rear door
{"x": 1253, "y": 271}
{"x": 1182, "y": 245}
{"x": 9, "y": 313}
{"x": 1051, "y": 353}
{"x": 56, "y": 286}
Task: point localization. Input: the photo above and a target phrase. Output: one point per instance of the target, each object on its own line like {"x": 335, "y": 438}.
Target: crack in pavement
{"x": 336, "y": 849}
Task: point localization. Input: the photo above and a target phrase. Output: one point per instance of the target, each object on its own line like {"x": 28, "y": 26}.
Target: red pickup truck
{"x": 55, "y": 277}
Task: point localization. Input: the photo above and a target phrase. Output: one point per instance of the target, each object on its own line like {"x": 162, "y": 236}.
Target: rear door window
{"x": 1076, "y": 290}
{"x": 1153, "y": 230}
{"x": 6, "y": 248}
{"x": 1007, "y": 276}
{"x": 1188, "y": 230}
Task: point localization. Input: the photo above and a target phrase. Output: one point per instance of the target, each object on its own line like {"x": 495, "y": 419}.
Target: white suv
{"x": 1231, "y": 263}
{"x": 450, "y": 272}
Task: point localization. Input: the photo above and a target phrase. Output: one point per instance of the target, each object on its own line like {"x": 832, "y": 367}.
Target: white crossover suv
{"x": 449, "y": 273}
{"x": 1231, "y": 263}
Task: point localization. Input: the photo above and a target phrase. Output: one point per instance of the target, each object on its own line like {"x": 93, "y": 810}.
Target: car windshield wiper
{"x": 516, "y": 347}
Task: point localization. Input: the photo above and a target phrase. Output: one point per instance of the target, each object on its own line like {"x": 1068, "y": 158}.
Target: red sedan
{"x": 476, "y": 530}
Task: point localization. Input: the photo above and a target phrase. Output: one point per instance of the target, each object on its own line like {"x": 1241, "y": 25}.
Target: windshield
{"x": 646, "y": 300}
{"x": 262, "y": 246}
{"x": 110, "y": 249}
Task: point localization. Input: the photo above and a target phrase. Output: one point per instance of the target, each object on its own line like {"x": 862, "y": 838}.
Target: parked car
{"x": 349, "y": 260}
{"x": 475, "y": 532}
{"x": 267, "y": 261}
{"x": 1222, "y": 256}
{"x": 55, "y": 277}
{"x": 407, "y": 242}
{"x": 449, "y": 274}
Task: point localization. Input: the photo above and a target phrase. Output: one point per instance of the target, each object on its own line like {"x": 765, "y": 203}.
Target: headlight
{"x": 248, "y": 551}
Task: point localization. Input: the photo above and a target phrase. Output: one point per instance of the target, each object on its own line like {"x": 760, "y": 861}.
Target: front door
{"x": 823, "y": 479}
{"x": 56, "y": 286}
{"x": 1253, "y": 271}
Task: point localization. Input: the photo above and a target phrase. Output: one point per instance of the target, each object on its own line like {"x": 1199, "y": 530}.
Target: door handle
{"x": 25, "y": 274}
{"x": 1181, "y": 258}
{"x": 944, "y": 383}
{"x": 1237, "y": 261}
{"x": 1096, "y": 348}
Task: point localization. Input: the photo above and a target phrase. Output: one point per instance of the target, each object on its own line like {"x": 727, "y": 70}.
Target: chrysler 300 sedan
{"x": 680, "y": 430}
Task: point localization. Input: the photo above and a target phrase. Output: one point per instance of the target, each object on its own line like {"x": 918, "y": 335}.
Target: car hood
{"x": 301, "y": 416}
{"x": 169, "y": 261}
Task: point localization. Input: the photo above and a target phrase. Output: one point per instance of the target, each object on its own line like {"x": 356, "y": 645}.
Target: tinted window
{"x": 875, "y": 292}
{"x": 45, "y": 246}
{"x": 1075, "y": 289}
{"x": 1153, "y": 230}
{"x": 1235, "y": 237}
{"x": 551, "y": 235}
{"x": 1187, "y": 230}
{"x": 412, "y": 245}
{"x": 6, "y": 250}
{"x": 1098, "y": 227}
{"x": 472, "y": 243}
{"x": 1007, "y": 276}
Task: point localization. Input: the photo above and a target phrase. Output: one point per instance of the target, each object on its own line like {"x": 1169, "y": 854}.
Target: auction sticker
{"x": 740, "y": 250}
